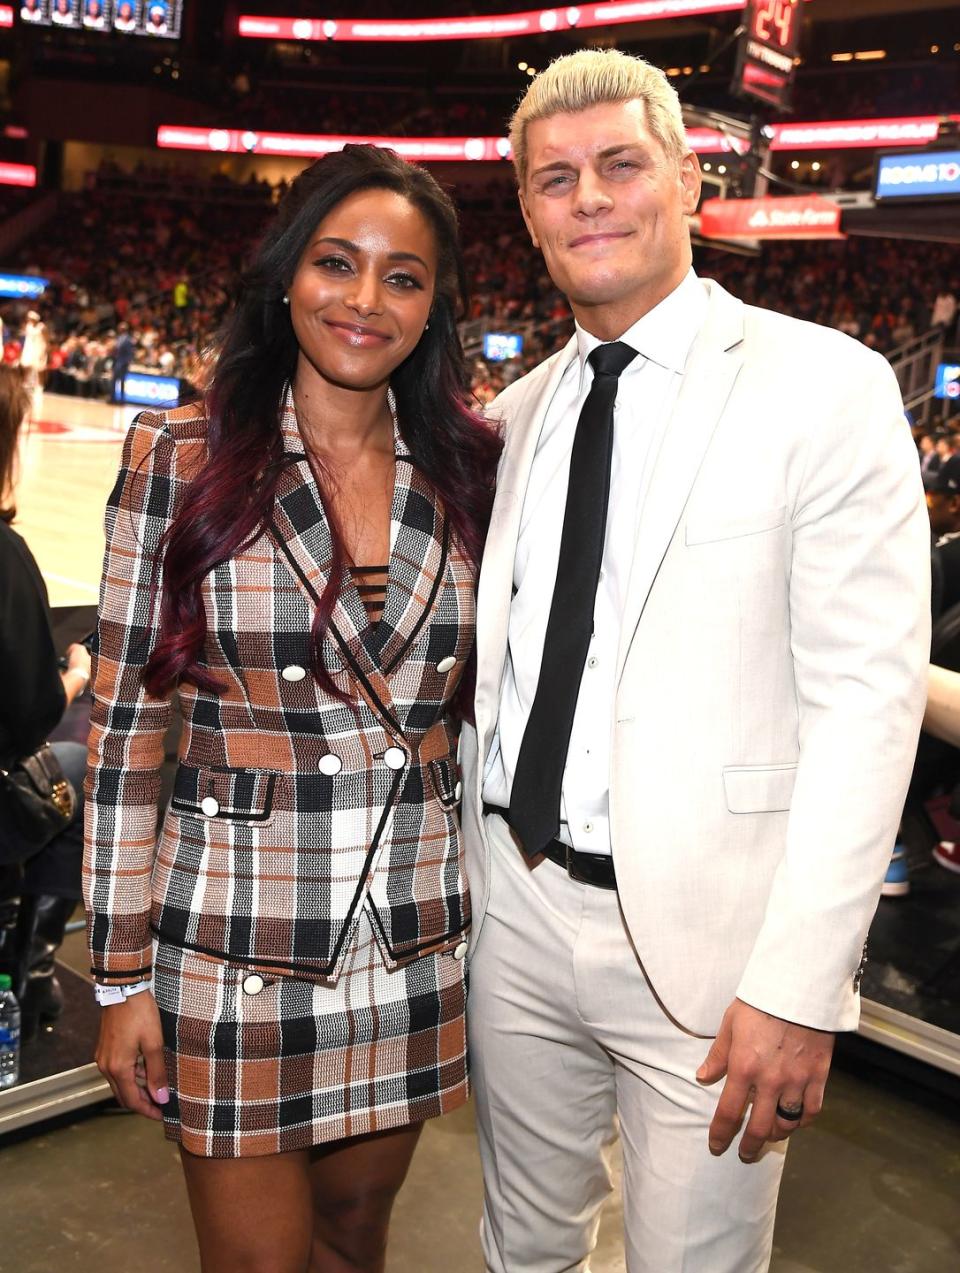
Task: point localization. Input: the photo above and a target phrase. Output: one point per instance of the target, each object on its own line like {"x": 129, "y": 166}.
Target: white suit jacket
{"x": 771, "y": 672}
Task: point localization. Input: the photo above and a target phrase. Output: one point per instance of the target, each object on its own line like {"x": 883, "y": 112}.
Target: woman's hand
{"x": 130, "y": 1047}
{"x": 76, "y": 675}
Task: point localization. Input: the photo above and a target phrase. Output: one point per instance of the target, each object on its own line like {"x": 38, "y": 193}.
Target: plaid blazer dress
{"x": 304, "y": 907}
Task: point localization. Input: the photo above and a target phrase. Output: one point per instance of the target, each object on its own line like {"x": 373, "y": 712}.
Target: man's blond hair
{"x": 595, "y": 77}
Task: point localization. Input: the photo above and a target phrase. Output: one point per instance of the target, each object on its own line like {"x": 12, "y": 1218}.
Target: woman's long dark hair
{"x": 257, "y": 357}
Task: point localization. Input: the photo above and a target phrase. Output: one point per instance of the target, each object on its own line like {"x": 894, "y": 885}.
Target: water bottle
{"x": 9, "y": 1034}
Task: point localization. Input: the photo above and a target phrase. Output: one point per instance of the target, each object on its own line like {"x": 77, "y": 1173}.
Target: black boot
{"x": 44, "y": 920}
{"x": 11, "y": 878}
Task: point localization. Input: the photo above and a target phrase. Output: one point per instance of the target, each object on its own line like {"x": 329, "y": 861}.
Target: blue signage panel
{"x": 947, "y": 383}
{"x": 151, "y": 391}
{"x": 499, "y": 346}
{"x": 26, "y": 287}
{"x": 918, "y": 174}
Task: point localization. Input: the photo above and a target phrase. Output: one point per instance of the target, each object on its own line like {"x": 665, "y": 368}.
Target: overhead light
{"x": 705, "y": 68}
{"x": 815, "y": 165}
{"x": 870, "y": 55}
{"x": 673, "y": 70}
{"x": 707, "y": 167}
{"x": 934, "y": 48}
{"x": 794, "y": 164}
{"x": 521, "y": 66}
{"x": 721, "y": 169}
{"x": 841, "y": 57}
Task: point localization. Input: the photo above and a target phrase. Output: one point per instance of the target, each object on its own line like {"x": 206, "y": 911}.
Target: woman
{"x": 38, "y": 891}
{"x": 298, "y": 558}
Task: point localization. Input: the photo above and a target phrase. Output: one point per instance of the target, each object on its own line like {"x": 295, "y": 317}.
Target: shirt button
{"x": 210, "y": 806}
{"x": 592, "y": 661}
{"x": 460, "y": 950}
{"x": 294, "y": 672}
{"x": 587, "y": 827}
{"x": 253, "y": 984}
{"x": 458, "y": 791}
{"x": 447, "y": 664}
{"x": 394, "y": 758}
{"x": 330, "y": 764}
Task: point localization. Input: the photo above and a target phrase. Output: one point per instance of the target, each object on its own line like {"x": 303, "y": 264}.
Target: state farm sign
{"x": 804, "y": 217}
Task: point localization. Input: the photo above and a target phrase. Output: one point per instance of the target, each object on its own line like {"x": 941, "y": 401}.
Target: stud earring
{"x": 426, "y": 327}
{"x": 286, "y": 300}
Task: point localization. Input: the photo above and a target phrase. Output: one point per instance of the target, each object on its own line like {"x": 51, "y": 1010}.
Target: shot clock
{"x": 768, "y": 45}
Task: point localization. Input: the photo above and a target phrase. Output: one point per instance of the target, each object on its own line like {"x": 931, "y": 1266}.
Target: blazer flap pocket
{"x": 446, "y": 781}
{"x": 709, "y": 531}
{"x": 759, "y": 788}
{"x": 238, "y": 795}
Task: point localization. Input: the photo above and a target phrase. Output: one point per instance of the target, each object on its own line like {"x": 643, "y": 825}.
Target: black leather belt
{"x": 595, "y": 869}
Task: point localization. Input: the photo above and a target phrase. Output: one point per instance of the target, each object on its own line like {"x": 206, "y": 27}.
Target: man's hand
{"x": 130, "y": 1054}
{"x": 767, "y": 1061}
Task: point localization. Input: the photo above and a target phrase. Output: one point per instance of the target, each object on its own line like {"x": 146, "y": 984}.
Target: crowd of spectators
{"x": 163, "y": 265}
{"x": 264, "y": 102}
{"x": 166, "y": 266}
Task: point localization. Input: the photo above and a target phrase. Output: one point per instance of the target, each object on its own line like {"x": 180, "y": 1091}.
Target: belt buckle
{"x": 571, "y": 865}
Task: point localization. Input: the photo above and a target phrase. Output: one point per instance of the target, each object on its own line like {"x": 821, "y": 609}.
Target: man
{"x": 943, "y": 506}
{"x": 695, "y": 715}
{"x": 124, "y": 351}
{"x": 33, "y": 360}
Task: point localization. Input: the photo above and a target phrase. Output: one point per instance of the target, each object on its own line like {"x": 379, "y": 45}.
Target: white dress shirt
{"x": 645, "y": 400}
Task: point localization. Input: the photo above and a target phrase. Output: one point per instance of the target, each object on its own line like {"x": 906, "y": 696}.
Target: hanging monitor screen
{"x": 159, "y": 18}
{"x": 769, "y": 42}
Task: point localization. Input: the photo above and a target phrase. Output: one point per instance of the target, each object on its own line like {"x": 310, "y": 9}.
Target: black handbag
{"x": 36, "y": 803}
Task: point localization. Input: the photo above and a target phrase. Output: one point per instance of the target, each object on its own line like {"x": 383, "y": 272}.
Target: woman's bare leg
{"x": 354, "y": 1184}
{"x": 252, "y": 1215}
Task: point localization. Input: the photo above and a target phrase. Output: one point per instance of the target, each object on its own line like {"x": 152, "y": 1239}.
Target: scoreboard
{"x": 769, "y": 42}
{"x": 129, "y": 17}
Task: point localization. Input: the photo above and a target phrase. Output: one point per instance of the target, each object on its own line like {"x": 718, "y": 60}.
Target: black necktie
{"x": 535, "y": 797}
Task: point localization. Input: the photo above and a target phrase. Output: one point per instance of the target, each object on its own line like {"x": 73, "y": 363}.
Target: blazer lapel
{"x": 419, "y": 543}
{"x": 708, "y": 378}
{"x": 302, "y": 533}
{"x": 496, "y": 574}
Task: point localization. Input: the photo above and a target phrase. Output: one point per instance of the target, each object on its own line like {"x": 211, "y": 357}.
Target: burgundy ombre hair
{"x": 257, "y": 358}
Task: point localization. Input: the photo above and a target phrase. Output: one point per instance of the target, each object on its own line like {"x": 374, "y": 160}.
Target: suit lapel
{"x": 496, "y": 575}
{"x": 708, "y": 378}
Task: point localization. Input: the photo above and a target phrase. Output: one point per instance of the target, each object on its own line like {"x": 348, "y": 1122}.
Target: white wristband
{"x": 107, "y": 995}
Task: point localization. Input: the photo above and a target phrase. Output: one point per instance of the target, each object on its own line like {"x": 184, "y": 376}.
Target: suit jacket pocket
{"x": 759, "y": 788}
{"x": 708, "y": 531}
{"x": 219, "y": 793}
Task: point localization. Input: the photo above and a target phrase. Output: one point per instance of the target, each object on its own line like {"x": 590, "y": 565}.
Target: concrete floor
{"x": 875, "y": 1187}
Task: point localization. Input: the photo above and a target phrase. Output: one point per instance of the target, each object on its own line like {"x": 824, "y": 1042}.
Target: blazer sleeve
{"x": 859, "y": 598}
{"x": 127, "y": 724}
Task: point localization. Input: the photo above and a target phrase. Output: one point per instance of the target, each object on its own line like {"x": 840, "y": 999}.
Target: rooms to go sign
{"x": 923, "y": 174}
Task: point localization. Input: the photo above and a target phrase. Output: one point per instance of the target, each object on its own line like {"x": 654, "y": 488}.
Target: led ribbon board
{"x": 500, "y": 25}
{"x": 23, "y": 287}
{"x": 842, "y": 134}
